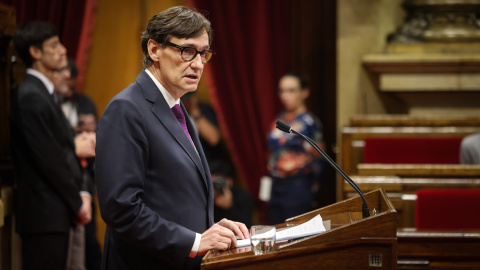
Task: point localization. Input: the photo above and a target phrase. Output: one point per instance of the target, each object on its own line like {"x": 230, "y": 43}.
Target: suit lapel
{"x": 196, "y": 140}
{"x": 66, "y": 128}
{"x": 163, "y": 113}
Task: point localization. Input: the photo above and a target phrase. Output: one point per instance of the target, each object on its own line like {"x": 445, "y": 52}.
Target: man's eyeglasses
{"x": 189, "y": 53}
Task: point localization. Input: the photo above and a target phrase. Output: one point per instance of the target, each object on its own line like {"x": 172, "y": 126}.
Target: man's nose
{"x": 67, "y": 74}
{"x": 197, "y": 61}
{"x": 63, "y": 50}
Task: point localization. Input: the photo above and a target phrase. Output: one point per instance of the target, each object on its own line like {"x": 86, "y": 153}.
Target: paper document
{"x": 311, "y": 227}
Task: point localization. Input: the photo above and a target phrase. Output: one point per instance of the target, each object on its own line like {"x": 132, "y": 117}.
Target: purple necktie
{"x": 181, "y": 119}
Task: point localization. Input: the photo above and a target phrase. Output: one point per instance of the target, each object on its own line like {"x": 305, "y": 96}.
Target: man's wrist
{"x": 196, "y": 246}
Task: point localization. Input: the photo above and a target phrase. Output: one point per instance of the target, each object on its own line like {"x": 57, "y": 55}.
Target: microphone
{"x": 286, "y": 128}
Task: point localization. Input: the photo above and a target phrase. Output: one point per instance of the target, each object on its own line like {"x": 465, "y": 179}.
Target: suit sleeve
{"x": 54, "y": 161}
{"x": 120, "y": 167}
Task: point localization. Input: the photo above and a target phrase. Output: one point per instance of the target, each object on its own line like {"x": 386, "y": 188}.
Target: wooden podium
{"x": 352, "y": 242}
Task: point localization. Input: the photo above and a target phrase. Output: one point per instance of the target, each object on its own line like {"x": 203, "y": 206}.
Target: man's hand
{"x": 237, "y": 227}
{"x": 221, "y": 236}
{"x": 224, "y": 200}
{"x": 85, "y": 145}
{"x": 84, "y": 216}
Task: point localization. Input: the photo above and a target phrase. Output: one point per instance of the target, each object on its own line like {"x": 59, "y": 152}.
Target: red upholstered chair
{"x": 453, "y": 209}
{"x": 412, "y": 150}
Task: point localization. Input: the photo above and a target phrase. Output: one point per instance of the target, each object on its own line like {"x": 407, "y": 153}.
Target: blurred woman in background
{"x": 294, "y": 166}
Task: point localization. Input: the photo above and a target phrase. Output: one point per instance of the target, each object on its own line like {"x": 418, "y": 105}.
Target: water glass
{"x": 262, "y": 239}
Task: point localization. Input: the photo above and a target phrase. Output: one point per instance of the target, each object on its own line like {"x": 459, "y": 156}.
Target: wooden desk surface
{"x": 439, "y": 249}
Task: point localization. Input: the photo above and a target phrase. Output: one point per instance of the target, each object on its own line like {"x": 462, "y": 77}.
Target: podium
{"x": 351, "y": 242}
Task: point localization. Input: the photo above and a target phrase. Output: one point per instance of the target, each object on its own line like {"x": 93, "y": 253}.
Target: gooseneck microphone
{"x": 286, "y": 128}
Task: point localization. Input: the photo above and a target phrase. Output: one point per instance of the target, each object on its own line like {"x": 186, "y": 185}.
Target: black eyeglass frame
{"x": 182, "y": 49}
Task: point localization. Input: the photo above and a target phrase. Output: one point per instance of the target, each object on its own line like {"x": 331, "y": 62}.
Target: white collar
{"x": 166, "y": 95}
{"x": 48, "y": 84}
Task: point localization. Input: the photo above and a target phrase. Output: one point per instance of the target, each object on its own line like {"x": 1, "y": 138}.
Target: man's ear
{"x": 35, "y": 52}
{"x": 154, "y": 50}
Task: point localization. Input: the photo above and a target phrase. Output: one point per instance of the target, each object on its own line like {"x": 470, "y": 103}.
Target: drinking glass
{"x": 262, "y": 239}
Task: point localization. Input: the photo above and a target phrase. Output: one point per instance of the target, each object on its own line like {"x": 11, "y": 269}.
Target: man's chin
{"x": 191, "y": 88}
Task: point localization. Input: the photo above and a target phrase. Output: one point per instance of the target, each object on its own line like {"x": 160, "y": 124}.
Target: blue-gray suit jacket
{"x": 154, "y": 190}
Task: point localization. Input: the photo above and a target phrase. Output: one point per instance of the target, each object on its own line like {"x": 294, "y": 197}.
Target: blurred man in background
{"x": 51, "y": 197}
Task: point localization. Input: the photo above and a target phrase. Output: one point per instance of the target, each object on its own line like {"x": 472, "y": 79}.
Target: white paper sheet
{"x": 311, "y": 227}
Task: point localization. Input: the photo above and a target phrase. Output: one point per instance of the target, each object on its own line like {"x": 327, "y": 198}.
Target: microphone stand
{"x": 286, "y": 128}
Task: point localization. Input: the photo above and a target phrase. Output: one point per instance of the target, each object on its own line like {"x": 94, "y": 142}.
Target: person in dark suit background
{"x": 153, "y": 182}
{"x": 79, "y": 109}
{"x": 51, "y": 198}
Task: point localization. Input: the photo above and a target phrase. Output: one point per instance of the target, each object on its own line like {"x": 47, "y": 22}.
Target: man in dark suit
{"x": 49, "y": 197}
{"x": 153, "y": 182}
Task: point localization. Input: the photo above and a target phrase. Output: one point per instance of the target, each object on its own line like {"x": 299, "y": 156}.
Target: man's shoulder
{"x": 135, "y": 89}
{"x": 128, "y": 101}
{"x": 130, "y": 94}
{"x": 31, "y": 90}
{"x": 136, "y": 95}
{"x": 471, "y": 140}
{"x": 142, "y": 89}
{"x": 30, "y": 83}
